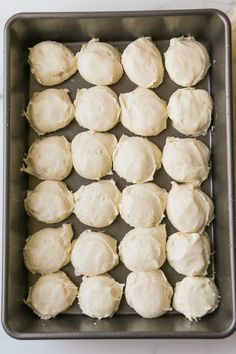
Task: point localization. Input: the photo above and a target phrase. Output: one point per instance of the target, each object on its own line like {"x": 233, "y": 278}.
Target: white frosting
{"x": 51, "y": 295}
{"x": 94, "y": 253}
{"x": 49, "y": 158}
{"x": 188, "y": 208}
{"x": 186, "y": 160}
{"x": 51, "y": 63}
{"x": 143, "y": 112}
{"x": 92, "y": 154}
{"x": 190, "y": 111}
{"x": 143, "y": 205}
{"x": 48, "y": 250}
{"x": 50, "y": 202}
{"x": 100, "y": 296}
{"x": 144, "y": 249}
{"x": 142, "y": 63}
{"x": 49, "y": 110}
{"x": 136, "y": 159}
{"x": 99, "y": 63}
{"x": 97, "y": 108}
{"x": 195, "y": 297}
{"x": 189, "y": 254}
{"x": 148, "y": 293}
{"x": 186, "y": 61}
{"x": 97, "y": 203}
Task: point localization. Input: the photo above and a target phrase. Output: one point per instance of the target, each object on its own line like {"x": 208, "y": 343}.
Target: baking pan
{"x": 22, "y": 31}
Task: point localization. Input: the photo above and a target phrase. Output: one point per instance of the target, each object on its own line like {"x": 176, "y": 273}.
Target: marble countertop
{"x": 9, "y": 345}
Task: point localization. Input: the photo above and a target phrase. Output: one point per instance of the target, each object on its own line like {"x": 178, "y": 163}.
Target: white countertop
{"x": 9, "y": 345}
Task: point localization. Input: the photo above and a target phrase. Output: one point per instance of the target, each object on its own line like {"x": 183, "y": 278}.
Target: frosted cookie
{"x": 97, "y": 203}
{"x": 195, "y": 297}
{"x": 49, "y": 158}
{"x": 143, "y": 112}
{"x": 48, "y": 250}
{"x": 148, "y": 293}
{"x": 136, "y": 159}
{"x": 51, "y": 295}
{"x": 92, "y": 154}
{"x": 144, "y": 249}
{"x": 51, "y": 62}
{"x": 142, "y": 63}
{"x": 189, "y": 253}
{"x": 50, "y": 202}
{"x": 99, "y": 63}
{"x": 49, "y": 110}
{"x": 143, "y": 205}
{"x": 97, "y": 108}
{"x": 188, "y": 208}
{"x": 100, "y": 296}
{"x": 190, "y": 111}
{"x": 187, "y": 61}
{"x": 94, "y": 253}
{"x": 186, "y": 160}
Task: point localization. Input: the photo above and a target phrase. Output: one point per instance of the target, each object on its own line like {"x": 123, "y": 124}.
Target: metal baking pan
{"x": 22, "y": 31}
